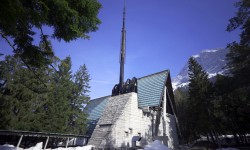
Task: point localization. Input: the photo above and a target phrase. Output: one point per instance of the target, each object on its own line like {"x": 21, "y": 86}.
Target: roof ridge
{"x": 167, "y": 70}
{"x": 99, "y": 98}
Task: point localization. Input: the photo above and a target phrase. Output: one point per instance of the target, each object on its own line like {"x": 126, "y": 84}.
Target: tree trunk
{"x": 208, "y": 138}
{"x": 212, "y": 137}
{"x": 217, "y": 139}
{"x": 247, "y": 142}
{"x": 236, "y": 138}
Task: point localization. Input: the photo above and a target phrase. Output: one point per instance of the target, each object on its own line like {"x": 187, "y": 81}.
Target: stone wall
{"x": 132, "y": 122}
{"x": 122, "y": 121}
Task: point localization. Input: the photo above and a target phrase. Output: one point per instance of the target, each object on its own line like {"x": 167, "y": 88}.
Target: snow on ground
{"x": 87, "y": 147}
{"x": 156, "y": 145}
{"x": 7, "y": 147}
{"x": 39, "y": 146}
{"x": 227, "y": 148}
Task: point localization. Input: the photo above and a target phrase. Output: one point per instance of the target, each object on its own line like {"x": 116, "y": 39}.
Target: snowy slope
{"x": 212, "y": 61}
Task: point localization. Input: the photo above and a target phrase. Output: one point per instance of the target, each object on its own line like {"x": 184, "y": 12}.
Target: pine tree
{"x": 181, "y": 98}
{"x": 231, "y": 109}
{"x": 57, "y": 108}
{"x": 200, "y": 99}
{"x": 239, "y": 67}
{"x": 80, "y": 97}
{"x": 54, "y": 105}
{"x": 239, "y": 55}
{"x": 21, "y": 96}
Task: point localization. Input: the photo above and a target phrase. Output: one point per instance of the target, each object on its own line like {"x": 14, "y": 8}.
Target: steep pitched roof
{"x": 95, "y": 108}
{"x": 150, "y": 89}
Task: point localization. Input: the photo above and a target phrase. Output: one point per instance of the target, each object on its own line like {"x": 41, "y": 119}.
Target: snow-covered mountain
{"x": 212, "y": 61}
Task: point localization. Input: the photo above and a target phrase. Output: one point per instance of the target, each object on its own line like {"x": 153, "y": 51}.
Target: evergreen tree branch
{"x": 33, "y": 72}
{"x": 14, "y": 49}
{"x": 7, "y": 40}
{"x": 44, "y": 38}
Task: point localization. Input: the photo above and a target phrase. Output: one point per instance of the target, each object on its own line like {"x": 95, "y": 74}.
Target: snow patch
{"x": 87, "y": 147}
{"x": 174, "y": 86}
{"x": 156, "y": 145}
{"x": 229, "y": 148}
{"x": 196, "y": 56}
{"x": 209, "y": 51}
{"x": 183, "y": 84}
{"x": 7, "y": 147}
{"x": 178, "y": 85}
{"x": 39, "y": 146}
{"x": 212, "y": 75}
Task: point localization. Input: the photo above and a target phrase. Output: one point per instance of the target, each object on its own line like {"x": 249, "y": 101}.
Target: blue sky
{"x": 161, "y": 34}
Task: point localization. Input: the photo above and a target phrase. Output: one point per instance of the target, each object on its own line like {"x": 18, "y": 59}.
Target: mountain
{"x": 212, "y": 61}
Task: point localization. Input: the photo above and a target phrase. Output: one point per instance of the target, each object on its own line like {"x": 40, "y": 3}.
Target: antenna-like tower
{"x": 123, "y": 49}
{"x": 131, "y": 84}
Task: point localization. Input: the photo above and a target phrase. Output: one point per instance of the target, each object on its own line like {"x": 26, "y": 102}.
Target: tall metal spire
{"x": 131, "y": 84}
{"x": 123, "y": 49}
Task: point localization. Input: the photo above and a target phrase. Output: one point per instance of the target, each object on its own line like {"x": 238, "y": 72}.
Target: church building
{"x": 137, "y": 112}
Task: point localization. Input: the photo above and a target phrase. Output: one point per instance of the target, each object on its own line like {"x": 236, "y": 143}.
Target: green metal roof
{"x": 150, "y": 89}
{"x": 95, "y": 108}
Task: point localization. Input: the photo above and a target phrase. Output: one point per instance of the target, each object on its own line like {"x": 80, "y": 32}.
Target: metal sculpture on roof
{"x": 129, "y": 85}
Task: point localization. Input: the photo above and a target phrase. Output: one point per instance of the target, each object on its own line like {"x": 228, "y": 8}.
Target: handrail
{"x": 40, "y": 134}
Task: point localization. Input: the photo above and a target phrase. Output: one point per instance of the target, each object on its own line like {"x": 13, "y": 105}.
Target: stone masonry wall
{"x": 122, "y": 120}
{"x": 132, "y": 122}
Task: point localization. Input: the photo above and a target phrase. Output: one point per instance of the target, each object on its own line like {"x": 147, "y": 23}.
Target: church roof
{"x": 94, "y": 110}
{"x": 95, "y": 107}
{"x": 150, "y": 89}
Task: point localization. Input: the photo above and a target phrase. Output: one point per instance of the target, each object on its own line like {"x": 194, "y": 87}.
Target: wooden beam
{"x": 67, "y": 142}
{"x": 47, "y": 140}
{"x": 20, "y": 140}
